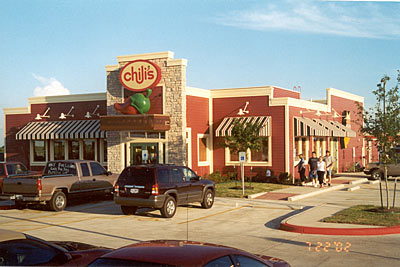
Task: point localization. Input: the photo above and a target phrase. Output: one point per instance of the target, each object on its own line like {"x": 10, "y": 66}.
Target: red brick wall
{"x": 346, "y": 155}
{"x": 280, "y": 92}
{"x": 258, "y": 106}
{"x": 18, "y": 150}
{"x": 197, "y": 118}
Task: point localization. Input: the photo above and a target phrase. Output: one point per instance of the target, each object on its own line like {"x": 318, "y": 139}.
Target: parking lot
{"x": 251, "y": 225}
{"x": 102, "y": 223}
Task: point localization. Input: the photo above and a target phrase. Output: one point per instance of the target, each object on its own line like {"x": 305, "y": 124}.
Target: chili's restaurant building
{"x": 148, "y": 113}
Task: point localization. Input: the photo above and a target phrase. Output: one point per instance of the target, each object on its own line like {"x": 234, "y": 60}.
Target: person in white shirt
{"x": 329, "y": 160}
{"x": 321, "y": 170}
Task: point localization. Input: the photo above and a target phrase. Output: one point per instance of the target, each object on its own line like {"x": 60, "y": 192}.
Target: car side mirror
{"x": 195, "y": 179}
{"x": 108, "y": 173}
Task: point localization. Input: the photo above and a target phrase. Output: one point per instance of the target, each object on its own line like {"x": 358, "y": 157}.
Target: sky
{"x": 54, "y": 47}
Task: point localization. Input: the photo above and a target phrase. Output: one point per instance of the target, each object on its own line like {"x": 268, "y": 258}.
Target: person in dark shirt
{"x": 312, "y": 162}
{"x": 302, "y": 169}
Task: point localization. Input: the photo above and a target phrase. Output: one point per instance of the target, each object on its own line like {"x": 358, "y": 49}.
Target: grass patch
{"x": 226, "y": 189}
{"x": 366, "y": 214}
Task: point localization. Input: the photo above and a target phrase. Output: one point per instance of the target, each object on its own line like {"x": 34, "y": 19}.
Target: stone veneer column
{"x": 173, "y": 78}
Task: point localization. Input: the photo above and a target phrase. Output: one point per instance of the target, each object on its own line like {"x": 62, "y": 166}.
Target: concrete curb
{"x": 256, "y": 195}
{"x": 339, "y": 231}
{"x": 354, "y": 188}
{"x": 360, "y": 181}
{"x": 321, "y": 191}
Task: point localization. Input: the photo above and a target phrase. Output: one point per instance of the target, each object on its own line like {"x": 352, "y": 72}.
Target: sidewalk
{"x": 293, "y": 193}
{"x": 309, "y": 221}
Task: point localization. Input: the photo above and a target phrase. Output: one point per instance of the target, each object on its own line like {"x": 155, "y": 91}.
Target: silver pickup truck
{"x": 61, "y": 180}
{"x": 375, "y": 169}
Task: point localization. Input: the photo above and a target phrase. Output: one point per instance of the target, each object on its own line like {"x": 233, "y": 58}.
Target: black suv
{"x": 161, "y": 187}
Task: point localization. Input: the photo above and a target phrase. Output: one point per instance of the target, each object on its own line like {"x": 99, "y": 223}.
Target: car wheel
{"x": 376, "y": 175}
{"x": 58, "y": 201}
{"x": 20, "y": 205}
{"x": 128, "y": 210}
{"x": 169, "y": 208}
{"x": 208, "y": 199}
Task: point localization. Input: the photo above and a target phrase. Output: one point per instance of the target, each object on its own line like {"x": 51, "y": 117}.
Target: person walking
{"x": 329, "y": 160}
{"x": 321, "y": 170}
{"x": 312, "y": 162}
{"x": 302, "y": 169}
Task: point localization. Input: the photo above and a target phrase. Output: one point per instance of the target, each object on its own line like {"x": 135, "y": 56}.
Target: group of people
{"x": 320, "y": 170}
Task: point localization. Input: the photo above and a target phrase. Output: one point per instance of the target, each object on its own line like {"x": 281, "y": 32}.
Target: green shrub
{"x": 285, "y": 178}
{"x": 217, "y": 177}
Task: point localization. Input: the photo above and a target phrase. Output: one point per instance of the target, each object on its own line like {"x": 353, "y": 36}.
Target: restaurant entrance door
{"x": 136, "y": 153}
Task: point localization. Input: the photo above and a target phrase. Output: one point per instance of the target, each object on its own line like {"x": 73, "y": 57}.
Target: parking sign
{"x": 242, "y": 156}
{"x": 145, "y": 155}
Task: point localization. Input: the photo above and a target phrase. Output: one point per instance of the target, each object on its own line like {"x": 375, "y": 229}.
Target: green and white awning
{"x": 45, "y": 130}
{"x": 318, "y": 127}
{"x": 226, "y": 126}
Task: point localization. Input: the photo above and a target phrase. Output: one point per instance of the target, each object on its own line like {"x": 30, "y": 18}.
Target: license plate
{"x": 134, "y": 191}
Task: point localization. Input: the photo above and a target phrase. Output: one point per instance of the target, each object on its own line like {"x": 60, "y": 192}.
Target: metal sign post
{"x": 242, "y": 159}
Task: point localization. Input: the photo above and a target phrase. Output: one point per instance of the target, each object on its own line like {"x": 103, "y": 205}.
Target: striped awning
{"x": 42, "y": 130}
{"x": 333, "y": 129}
{"x": 349, "y": 132}
{"x": 308, "y": 127}
{"x": 226, "y": 126}
{"x": 318, "y": 127}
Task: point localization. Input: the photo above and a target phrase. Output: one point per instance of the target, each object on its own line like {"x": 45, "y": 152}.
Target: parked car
{"x": 61, "y": 179}
{"x": 375, "y": 169}
{"x": 13, "y": 169}
{"x": 18, "y": 249}
{"x": 161, "y": 187}
{"x": 183, "y": 253}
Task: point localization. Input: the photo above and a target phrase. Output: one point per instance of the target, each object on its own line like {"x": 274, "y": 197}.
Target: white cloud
{"x": 369, "y": 20}
{"x": 50, "y": 86}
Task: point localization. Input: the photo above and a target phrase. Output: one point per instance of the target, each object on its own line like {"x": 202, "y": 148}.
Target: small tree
{"x": 383, "y": 123}
{"x": 244, "y": 136}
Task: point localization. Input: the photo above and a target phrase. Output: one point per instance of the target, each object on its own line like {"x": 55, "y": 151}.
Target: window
{"x": 26, "y": 252}
{"x": 220, "y": 262}
{"x": 39, "y": 150}
{"x": 89, "y": 149}
{"x": 262, "y": 154}
{"x": 73, "y": 149}
{"x": 16, "y": 169}
{"x": 188, "y": 173}
{"x": 97, "y": 169}
{"x": 162, "y": 176}
{"x": 60, "y": 168}
{"x": 203, "y": 150}
{"x": 254, "y": 158}
{"x": 85, "y": 169}
{"x": 59, "y": 150}
{"x": 246, "y": 261}
{"x": 105, "y": 150}
{"x": 176, "y": 175}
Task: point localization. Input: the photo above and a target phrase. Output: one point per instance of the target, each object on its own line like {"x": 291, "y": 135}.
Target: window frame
{"x": 31, "y": 152}
{"x": 249, "y": 162}
{"x": 207, "y": 162}
{"x": 52, "y": 150}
